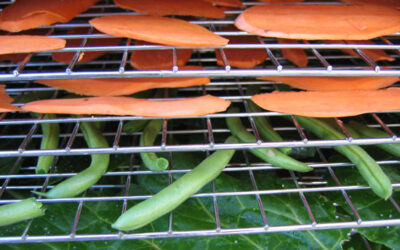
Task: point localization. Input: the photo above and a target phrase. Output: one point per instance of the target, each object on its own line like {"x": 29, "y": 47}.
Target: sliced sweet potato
{"x": 26, "y": 43}
{"x": 5, "y": 101}
{"x": 66, "y": 57}
{"x": 160, "y": 30}
{"x": 227, "y": 3}
{"x": 172, "y": 7}
{"x": 15, "y": 58}
{"x": 320, "y": 22}
{"x": 296, "y": 56}
{"x": 193, "y": 106}
{"x": 374, "y": 54}
{"x": 241, "y": 58}
{"x": 124, "y": 86}
{"x": 330, "y": 104}
{"x": 29, "y": 14}
{"x": 334, "y": 83}
{"x": 157, "y": 59}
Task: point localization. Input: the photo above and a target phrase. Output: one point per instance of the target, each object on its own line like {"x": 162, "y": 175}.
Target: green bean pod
{"x": 50, "y": 140}
{"x": 267, "y": 133}
{"x": 362, "y": 130}
{"x": 20, "y": 211}
{"x": 151, "y": 160}
{"x": 134, "y": 126}
{"x": 368, "y": 168}
{"x": 88, "y": 177}
{"x": 270, "y": 155}
{"x": 175, "y": 194}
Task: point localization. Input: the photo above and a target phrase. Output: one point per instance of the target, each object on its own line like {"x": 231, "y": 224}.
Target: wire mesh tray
{"x": 20, "y": 135}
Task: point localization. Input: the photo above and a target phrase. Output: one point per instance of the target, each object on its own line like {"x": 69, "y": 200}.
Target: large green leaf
{"x": 196, "y": 214}
{"x": 371, "y": 207}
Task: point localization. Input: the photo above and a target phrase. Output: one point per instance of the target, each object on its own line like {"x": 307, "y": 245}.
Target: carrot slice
{"x": 160, "y": 30}
{"x": 334, "y": 83}
{"x": 172, "y": 7}
{"x": 330, "y": 104}
{"x": 296, "y": 56}
{"x": 374, "y": 54}
{"x": 124, "y": 86}
{"x": 66, "y": 57}
{"x": 157, "y": 59}
{"x": 295, "y": 21}
{"x": 26, "y": 43}
{"x": 5, "y": 101}
{"x": 193, "y": 106}
{"x": 241, "y": 58}
{"x": 227, "y": 3}
{"x": 28, "y": 14}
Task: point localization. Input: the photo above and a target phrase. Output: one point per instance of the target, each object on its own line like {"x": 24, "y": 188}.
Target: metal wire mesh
{"x": 20, "y": 132}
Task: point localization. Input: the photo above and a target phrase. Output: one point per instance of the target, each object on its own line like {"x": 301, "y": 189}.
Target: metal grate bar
{"x": 344, "y": 193}
{"x": 226, "y": 82}
{"x": 384, "y": 126}
{"x": 323, "y": 61}
{"x": 344, "y": 129}
{"x": 303, "y": 199}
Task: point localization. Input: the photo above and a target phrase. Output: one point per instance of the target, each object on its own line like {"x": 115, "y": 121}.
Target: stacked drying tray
{"x": 251, "y": 201}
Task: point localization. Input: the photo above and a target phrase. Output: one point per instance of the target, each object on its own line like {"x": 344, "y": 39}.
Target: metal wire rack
{"x": 21, "y": 130}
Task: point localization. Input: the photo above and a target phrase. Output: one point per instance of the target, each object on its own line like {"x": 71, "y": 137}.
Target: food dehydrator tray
{"x": 226, "y": 82}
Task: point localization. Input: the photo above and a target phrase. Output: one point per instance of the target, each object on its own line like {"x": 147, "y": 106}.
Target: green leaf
{"x": 370, "y": 207}
{"x": 196, "y": 214}
{"x": 357, "y": 242}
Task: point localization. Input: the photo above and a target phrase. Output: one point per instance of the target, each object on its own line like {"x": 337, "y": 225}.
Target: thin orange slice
{"x": 320, "y": 22}
{"x": 330, "y": 104}
{"x": 193, "y": 106}
{"x": 197, "y": 8}
{"x": 160, "y": 30}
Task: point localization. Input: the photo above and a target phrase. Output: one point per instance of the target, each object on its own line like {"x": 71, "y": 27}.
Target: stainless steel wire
{"x": 226, "y": 82}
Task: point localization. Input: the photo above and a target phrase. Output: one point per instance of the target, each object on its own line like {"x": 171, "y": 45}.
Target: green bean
{"x": 270, "y": 155}
{"x": 362, "y": 130}
{"x": 151, "y": 160}
{"x": 134, "y": 126}
{"x": 267, "y": 133}
{"x": 20, "y": 211}
{"x": 98, "y": 166}
{"x": 175, "y": 194}
{"x": 51, "y": 132}
{"x": 368, "y": 168}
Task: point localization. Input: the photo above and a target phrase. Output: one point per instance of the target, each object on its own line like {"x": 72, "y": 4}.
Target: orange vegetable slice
{"x": 157, "y": 59}
{"x": 334, "y": 83}
{"x": 28, "y": 14}
{"x": 227, "y": 3}
{"x": 124, "y": 86}
{"x": 15, "y": 58}
{"x": 296, "y": 56}
{"x": 320, "y": 22}
{"x": 193, "y": 106}
{"x": 374, "y": 54}
{"x": 66, "y": 57}
{"x": 160, "y": 30}
{"x": 330, "y": 104}
{"x": 27, "y": 43}
{"x": 5, "y": 101}
{"x": 172, "y": 7}
{"x": 241, "y": 58}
